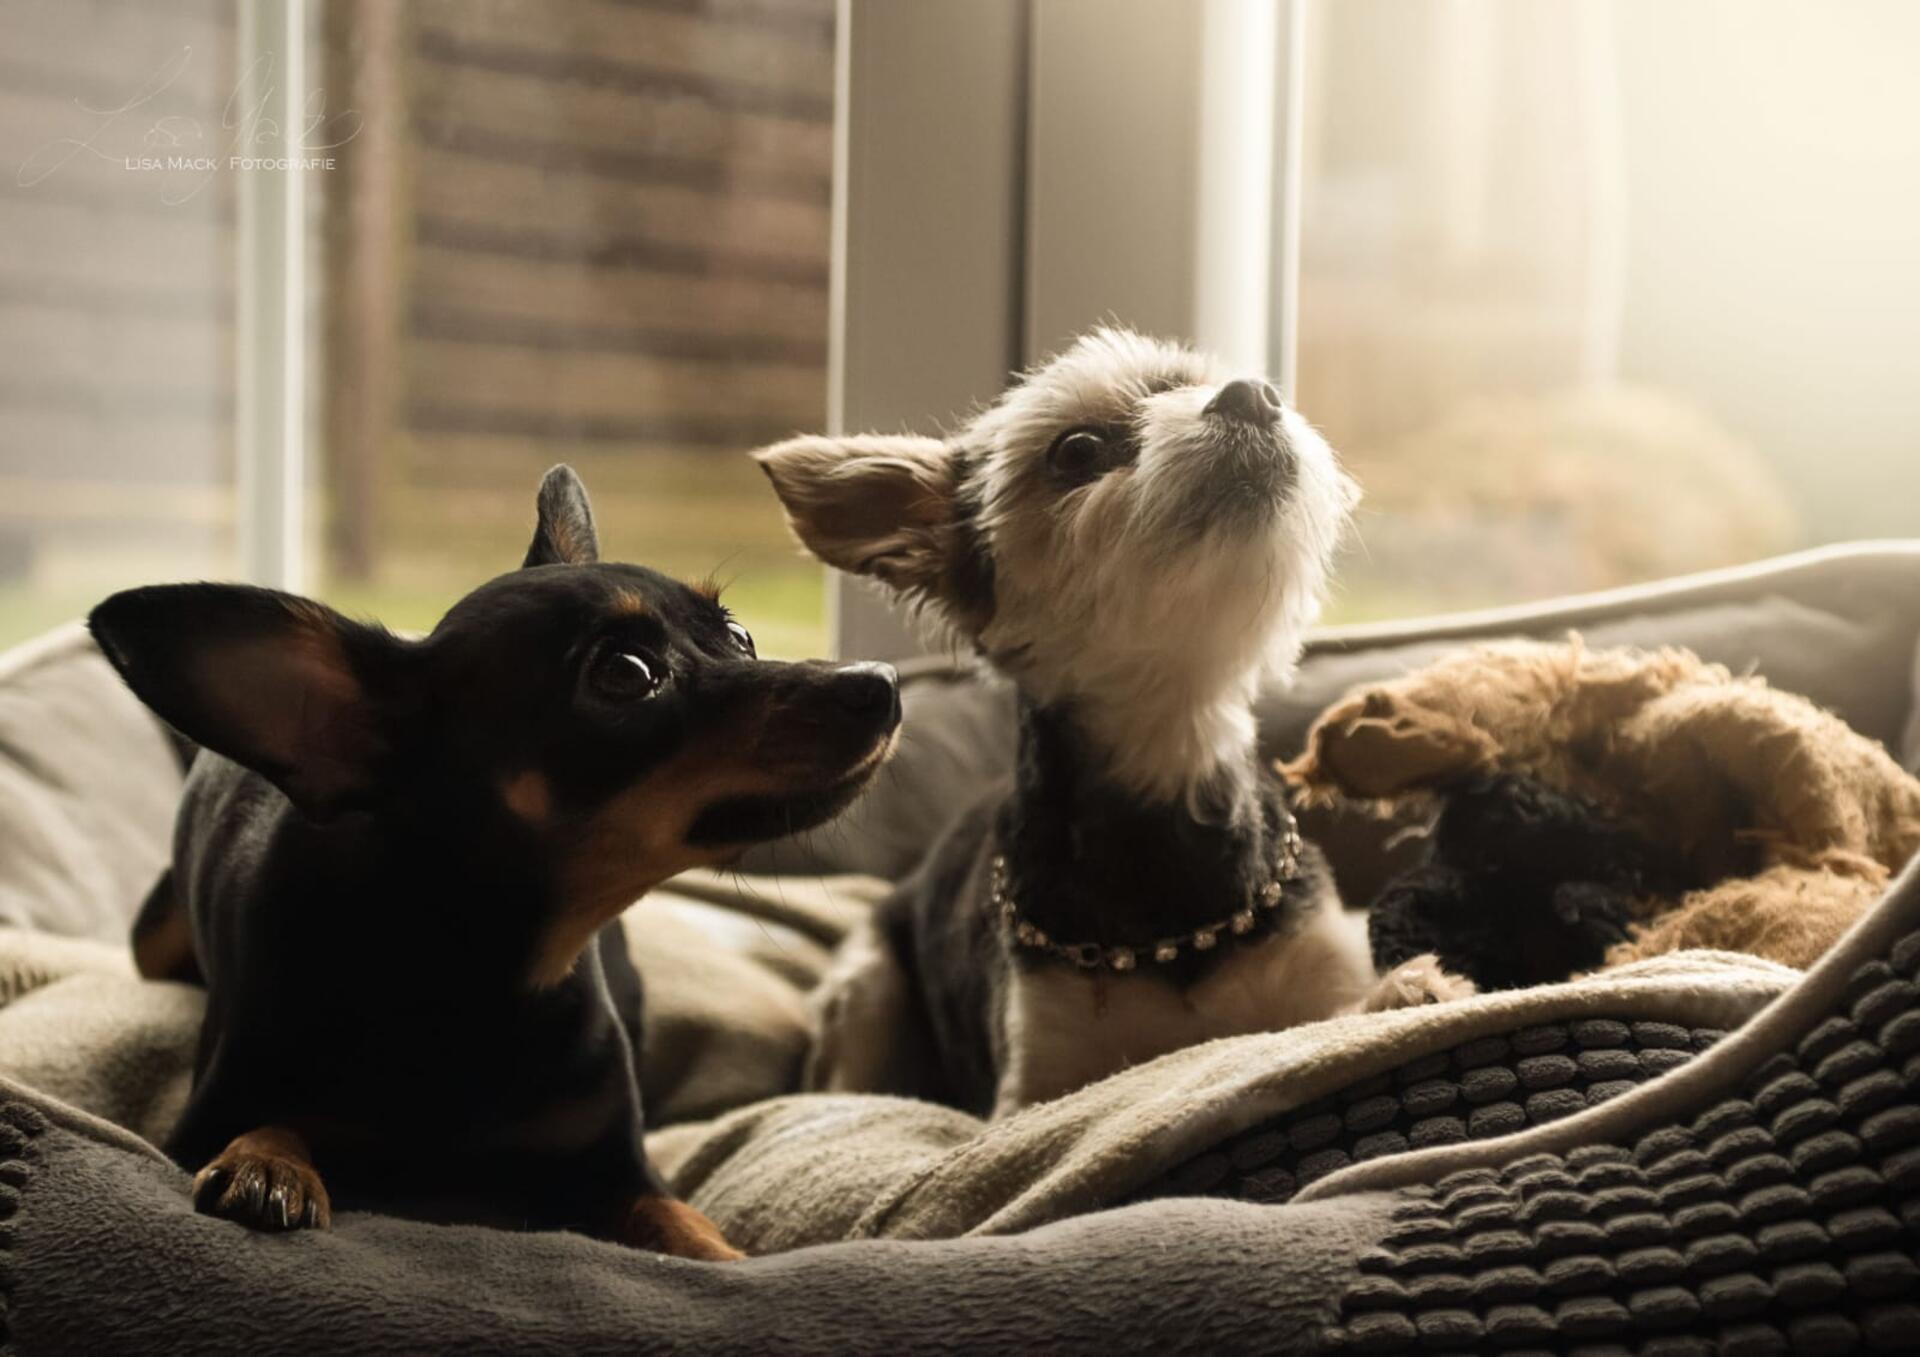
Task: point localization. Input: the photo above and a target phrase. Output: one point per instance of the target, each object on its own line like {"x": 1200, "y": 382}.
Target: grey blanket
{"x": 810, "y": 1169}
{"x": 104, "y": 1255}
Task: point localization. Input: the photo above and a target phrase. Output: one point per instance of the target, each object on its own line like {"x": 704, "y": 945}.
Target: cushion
{"x": 1837, "y": 626}
{"x": 88, "y": 785}
{"x": 88, "y": 779}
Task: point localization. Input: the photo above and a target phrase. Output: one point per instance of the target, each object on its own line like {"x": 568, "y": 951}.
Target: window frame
{"x": 270, "y": 360}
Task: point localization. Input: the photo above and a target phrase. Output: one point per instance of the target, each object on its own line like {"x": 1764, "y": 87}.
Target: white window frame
{"x": 271, "y": 302}
{"x": 929, "y": 133}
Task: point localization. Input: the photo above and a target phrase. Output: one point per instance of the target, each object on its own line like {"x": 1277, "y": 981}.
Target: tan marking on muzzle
{"x": 637, "y": 839}
{"x": 529, "y": 796}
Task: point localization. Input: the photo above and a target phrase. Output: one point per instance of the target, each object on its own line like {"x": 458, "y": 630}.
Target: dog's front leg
{"x": 265, "y": 1180}
{"x": 1421, "y": 980}
{"x": 660, "y": 1224}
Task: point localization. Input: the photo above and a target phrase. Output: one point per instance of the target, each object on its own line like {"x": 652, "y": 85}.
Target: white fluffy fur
{"x": 1104, "y": 596}
{"x": 1066, "y": 1028}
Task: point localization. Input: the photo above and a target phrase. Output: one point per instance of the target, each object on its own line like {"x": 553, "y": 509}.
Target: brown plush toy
{"x": 1786, "y": 822}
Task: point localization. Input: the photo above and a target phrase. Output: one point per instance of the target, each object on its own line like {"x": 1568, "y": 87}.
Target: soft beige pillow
{"x": 89, "y": 782}
{"x": 727, "y": 962}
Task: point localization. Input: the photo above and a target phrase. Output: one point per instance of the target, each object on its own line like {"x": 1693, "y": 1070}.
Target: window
{"x": 1586, "y": 293}
{"x": 1596, "y": 293}
{"x": 595, "y": 232}
{"x": 117, "y": 296}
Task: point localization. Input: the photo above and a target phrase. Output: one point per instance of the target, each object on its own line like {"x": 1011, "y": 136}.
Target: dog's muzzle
{"x": 1249, "y": 465}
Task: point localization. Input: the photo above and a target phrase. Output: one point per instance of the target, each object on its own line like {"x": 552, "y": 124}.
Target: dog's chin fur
{"x": 1153, "y": 602}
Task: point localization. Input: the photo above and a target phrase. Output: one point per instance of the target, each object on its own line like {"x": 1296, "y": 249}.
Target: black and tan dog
{"x": 399, "y": 868}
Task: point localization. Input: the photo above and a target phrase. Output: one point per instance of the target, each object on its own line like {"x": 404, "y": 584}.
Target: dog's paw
{"x": 663, "y": 1225}
{"x": 1416, "y": 982}
{"x": 264, "y": 1180}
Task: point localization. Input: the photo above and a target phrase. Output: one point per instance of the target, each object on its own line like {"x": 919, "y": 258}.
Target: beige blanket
{"x": 808, "y": 1169}
{"x": 727, "y": 963}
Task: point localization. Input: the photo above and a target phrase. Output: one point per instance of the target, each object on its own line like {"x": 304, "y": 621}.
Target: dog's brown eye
{"x": 1079, "y": 455}
{"x": 626, "y": 676}
{"x": 742, "y": 638}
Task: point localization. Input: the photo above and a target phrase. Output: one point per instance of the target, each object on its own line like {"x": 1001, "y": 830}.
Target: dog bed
{"x": 1764, "y": 1197}
{"x": 1591, "y": 1162}
{"x": 782, "y": 1172}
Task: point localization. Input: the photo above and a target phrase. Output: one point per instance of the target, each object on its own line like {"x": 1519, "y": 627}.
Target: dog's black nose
{"x": 1246, "y": 402}
{"x": 868, "y": 689}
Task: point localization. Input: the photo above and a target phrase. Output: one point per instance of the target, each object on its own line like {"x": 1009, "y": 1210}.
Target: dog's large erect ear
{"x": 871, "y": 505}
{"x": 284, "y": 685}
{"x": 564, "y": 535}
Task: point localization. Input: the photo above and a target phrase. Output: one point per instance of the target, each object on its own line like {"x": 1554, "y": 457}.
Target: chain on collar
{"x": 1092, "y": 956}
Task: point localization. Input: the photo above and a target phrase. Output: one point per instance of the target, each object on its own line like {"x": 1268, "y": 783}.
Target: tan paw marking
{"x": 264, "y": 1180}
{"x": 663, "y": 1225}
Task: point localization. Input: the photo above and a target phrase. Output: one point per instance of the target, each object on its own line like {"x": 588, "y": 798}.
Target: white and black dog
{"x": 1137, "y": 544}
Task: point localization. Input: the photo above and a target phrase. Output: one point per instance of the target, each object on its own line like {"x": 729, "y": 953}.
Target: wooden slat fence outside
{"x": 597, "y": 225}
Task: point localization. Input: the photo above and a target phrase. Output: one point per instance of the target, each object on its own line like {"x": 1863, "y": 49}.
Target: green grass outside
{"x": 690, "y": 516}
{"x": 784, "y": 606}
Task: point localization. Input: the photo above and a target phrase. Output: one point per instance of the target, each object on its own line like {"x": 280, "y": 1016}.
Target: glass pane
{"x": 1602, "y": 292}
{"x": 594, "y": 233}
{"x": 116, "y": 300}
